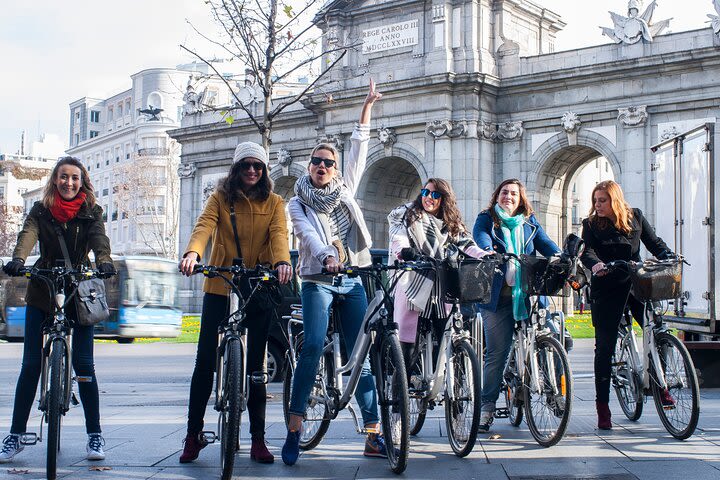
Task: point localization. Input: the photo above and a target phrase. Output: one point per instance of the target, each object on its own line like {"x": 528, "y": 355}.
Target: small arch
{"x": 400, "y": 150}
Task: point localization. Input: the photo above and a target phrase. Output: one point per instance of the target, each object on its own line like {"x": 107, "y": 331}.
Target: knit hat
{"x": 250, "y": 149}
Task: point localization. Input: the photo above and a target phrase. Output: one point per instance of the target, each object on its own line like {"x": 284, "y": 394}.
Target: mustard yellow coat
{"x": 262, "y": 230}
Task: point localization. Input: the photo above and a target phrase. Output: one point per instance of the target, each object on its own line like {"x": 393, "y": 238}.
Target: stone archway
{"x": 284, "y": 179}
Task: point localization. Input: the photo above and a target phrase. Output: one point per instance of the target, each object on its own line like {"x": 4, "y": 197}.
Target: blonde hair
{"x": 621, "y": 209}
{"x": 48, "y": 199}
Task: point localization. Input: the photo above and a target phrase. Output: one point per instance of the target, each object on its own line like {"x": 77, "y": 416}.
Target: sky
{"x": 54, "y": 53}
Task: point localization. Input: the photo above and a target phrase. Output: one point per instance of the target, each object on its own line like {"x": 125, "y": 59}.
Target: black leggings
{"x": 215, "y": 308}
{"x": 607, "y": 312}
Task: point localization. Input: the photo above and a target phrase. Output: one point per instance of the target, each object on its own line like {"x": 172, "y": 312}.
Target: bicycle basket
{"x": 656, "y": 281}
{"x": 544, "y": 276}
{"x": 467, "y": 279}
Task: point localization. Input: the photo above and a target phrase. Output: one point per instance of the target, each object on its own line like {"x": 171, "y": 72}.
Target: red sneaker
{"x": 192, "y": 446}
{"x": 666, "y": 399}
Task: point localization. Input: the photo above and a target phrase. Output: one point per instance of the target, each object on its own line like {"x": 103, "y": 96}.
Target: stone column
{"x": 188, "y": 207}
{"x": 636, "y": 158}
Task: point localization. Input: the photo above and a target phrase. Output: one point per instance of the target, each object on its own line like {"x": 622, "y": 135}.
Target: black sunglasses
{"x": 317, "y": 161}
{"x": 257, "y": 166}
{"x": 432, "y": 194}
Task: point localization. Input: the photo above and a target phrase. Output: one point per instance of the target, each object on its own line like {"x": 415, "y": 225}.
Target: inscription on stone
{"x": 388, "y": 37}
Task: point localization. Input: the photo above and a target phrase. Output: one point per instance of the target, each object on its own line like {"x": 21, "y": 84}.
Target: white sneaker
{"x": 486, "y": 419}
{"x": 94, "y": 447}
{"x": 11, "y": 446}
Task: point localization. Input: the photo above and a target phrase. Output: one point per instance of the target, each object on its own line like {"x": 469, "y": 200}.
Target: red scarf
{"x": 65, "y": 210}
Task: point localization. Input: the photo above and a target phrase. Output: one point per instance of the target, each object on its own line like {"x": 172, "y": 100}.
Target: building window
{"x": 77, "y": 116}
{"x": 2, "y": 193}
{"x": 104, "y": 215}
{"x": 127, "y": 107}
{"x": 114, "y": 215}
{"x": 107, "y": 162}
{"x": 94, "y": 116}
{"x": 77, "y": 138}
{"x": 94, "y": 133}
{"x": 97, "y": 165}
{"x": 110, "y": 113}
{"x": 105, "y": 191}
{"x": 120, "y": 110}
{"x": 127, "y": 156}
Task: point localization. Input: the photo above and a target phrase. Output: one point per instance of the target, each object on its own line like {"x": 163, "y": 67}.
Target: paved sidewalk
{"x": 144, "y": 400}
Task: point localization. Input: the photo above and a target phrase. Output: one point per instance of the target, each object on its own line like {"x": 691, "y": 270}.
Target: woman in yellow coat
{"x": 263, "y": 237}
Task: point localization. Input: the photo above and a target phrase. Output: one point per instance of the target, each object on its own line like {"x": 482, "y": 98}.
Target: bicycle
{"x": 231, "y": 378}
{"x": 56, "y": 377}
{"x": 665, "y": 370}
{"x": 452, "y": 376}
{"x": 329, "y": 395}
{"x": 537, "y": 377}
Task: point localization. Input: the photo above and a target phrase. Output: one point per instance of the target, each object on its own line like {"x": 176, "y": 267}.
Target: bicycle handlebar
{"x": 54, "y": 273}
{"x": 264, "y": 274}
{"x": 377, "y": 268}
{"x": 616, "y": 264}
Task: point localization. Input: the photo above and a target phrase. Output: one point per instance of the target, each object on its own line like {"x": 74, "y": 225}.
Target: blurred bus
{"x": 143, "y": 301}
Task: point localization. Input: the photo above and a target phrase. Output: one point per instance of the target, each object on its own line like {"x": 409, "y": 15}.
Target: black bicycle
{"x": 231, "y": 377}
{"x": 56, "y": 378}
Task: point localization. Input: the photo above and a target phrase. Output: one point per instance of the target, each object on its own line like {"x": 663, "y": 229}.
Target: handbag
{"x": 90, "y": 301}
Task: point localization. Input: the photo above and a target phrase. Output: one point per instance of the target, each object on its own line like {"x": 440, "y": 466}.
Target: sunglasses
{"x": 317, "y": 161}
{"x": 257, "y": 166}
{"x": 427, "y": 193}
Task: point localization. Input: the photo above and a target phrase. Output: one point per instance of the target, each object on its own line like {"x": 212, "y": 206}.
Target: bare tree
{"x": 10, "y": 222}
{"x": 276, "y": 40}
{"x": 148, "y": 196}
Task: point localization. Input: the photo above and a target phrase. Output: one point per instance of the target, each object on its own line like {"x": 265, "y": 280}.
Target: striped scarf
{"x": 326, "y": 202}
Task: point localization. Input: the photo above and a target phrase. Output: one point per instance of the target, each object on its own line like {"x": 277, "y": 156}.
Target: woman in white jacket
{"x": 331, "y": 232}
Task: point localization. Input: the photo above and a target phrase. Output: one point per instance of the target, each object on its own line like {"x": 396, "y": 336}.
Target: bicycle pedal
{"x": 502, "y": 413}
{"x": 73, "y": 399}
{"x": 208, "y": 436}
{"x": 29, "y": 438}
{"x": 259, "y": 378}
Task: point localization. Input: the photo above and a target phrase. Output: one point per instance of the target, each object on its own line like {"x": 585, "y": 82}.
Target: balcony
{"x": 155, "y": 151}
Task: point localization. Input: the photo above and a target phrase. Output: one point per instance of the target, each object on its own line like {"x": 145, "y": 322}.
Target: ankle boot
{"x": 259, "y": 451}
{"x": 604, "y": 415}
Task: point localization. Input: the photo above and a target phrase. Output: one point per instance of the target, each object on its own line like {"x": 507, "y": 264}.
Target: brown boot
{"x": 604, "y": 415}
{"x": 259, "y": 451}
{"x": 191, "y": 450}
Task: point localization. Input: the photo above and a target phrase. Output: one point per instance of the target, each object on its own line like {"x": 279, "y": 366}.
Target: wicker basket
{"x": 543, "y": 276}
{"x": 467, "y": 280}
{"x": 657, "y": 281}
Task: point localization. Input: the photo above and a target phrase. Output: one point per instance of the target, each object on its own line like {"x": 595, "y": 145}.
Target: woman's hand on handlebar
{"x": 599, "y": 269}
{"x": 187, "y": 264}
{"x": 332, "y": 265}
{"x": 284, "y": 273}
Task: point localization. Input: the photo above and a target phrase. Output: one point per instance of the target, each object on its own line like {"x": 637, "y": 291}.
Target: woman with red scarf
{"x": 68, "y": 202}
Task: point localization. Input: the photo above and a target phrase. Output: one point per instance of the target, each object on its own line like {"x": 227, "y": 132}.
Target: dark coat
{"x": 83, "y": 233}
{"x": 490, "y": 237}
{"x": 604, "y": 243}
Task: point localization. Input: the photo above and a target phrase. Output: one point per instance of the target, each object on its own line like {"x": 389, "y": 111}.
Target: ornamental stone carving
{"x": 635, "y": 27}
{"x": 450, "y": 128}
{"x": 186, "y": 170}
{"x": 488, "y": 131}
{"x": 284, "y": 157}
{"x": 508, "y": 131}
{"x": 715, "y": 19}
{"x": 669, "y": 133}
{"x": 457, "y": 129}
{"x": 387, "y": 136}
{"x": 571, "y": 124}
{"x": 633, "y": 116}
{"x": 335, "y": 140}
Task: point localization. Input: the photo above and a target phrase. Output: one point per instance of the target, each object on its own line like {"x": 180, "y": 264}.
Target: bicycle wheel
{"x": 55, "y": 402}
{"x": 392, "y": 389}
{"x": 548, "y": 404}
{"x": 317, "y": 419}
{"x": 232, "y": 382}
{"x": 626, "y": 382}
{"x": 462, "y": 413}
{"x": 681, "y": 418}
{"x": 512, "y": 388}
{"x": 417, "y": 391}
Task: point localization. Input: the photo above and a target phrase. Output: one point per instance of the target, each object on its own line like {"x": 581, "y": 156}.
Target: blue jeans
{"x": 82, "y": 362}
{"x": 498, "y": 327}
{"x": 317, "y": 302}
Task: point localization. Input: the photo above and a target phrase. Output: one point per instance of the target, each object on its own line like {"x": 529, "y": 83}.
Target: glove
{"x": 106, "y": 270}
{"x": 409, "y": 254}
{"x": 13, "y": 267}
{"x": 667, "y": 255}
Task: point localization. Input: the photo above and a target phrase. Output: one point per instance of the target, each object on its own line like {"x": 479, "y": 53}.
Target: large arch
{"x": 284, "y": 179}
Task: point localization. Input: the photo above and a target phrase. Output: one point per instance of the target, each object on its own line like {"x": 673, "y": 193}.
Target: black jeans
{"x": 82, "y": 362}
{"x": 607, "y": 311}
{"x": 215, "y": 308}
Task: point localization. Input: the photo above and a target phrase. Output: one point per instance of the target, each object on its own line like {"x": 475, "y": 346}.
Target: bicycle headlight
{"x": 658, "y": 311}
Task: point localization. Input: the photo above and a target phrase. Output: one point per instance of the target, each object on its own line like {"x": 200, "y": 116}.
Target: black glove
{"x": 667, "y": 255}
{"x": 106, "y": 270}
{"x": 409, "y": 254}
{"x": 14, "y": 266}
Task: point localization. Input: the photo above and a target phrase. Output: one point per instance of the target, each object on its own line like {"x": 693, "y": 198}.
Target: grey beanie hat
{"x": 250, "y": 149}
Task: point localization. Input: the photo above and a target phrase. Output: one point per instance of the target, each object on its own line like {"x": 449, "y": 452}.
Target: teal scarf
{"x": 514, "y": 236}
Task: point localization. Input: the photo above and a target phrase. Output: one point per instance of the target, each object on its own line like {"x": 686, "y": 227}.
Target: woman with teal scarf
{"x": 508, "y": 225}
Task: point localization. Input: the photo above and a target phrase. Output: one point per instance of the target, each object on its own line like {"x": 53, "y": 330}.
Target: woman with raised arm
{"x": 331, "y": 232}
{"x": 613, "y": 231}
{"x": 69, "y": 203}
{"x": 508, "y": 225}
{"x": 245, "y": 194}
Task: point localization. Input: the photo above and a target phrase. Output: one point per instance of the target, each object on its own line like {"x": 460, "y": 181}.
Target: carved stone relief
{"x": 635, "y": 116}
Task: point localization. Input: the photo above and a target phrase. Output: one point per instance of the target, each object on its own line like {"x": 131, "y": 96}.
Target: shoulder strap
{"x": 234, "y": 227}
{"x": 63, "y": 245}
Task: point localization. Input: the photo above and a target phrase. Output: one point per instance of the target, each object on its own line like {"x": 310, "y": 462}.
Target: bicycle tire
{"x": 232, "y": 382}
{"x": 465, "y": 383}
{"x": 681, "y": 420}
{"x": 317, "y": 419}
{"x": 391, "y": 381}
{"x": 55, "y": 403}
{"x": 559, "y": 405}
{"x": 626, "y": 382}
{"x": 418, "y": 402}
{"x": 513, "y": 392}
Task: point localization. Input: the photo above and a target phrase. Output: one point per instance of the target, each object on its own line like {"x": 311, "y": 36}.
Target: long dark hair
{"x": 524, "y": 206}
{"x": 449, "y": 211}
{"x": 48, "y": 198}
{"x": 232, "y": 185}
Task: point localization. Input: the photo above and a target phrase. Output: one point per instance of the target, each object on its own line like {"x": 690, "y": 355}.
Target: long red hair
{"x": 621, "y": 209}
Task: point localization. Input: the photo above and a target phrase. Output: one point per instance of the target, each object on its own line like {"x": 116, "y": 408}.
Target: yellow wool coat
{"x": 262, "y": 230}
